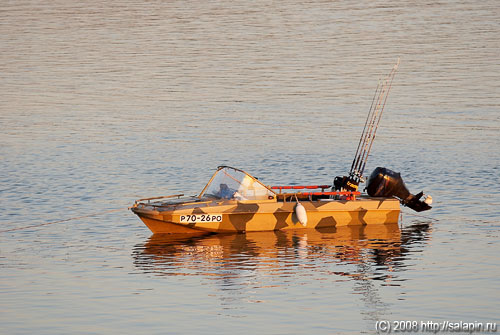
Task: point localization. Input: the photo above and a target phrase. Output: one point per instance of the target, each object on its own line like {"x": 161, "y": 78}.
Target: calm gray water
{"x": 102, "y": 103}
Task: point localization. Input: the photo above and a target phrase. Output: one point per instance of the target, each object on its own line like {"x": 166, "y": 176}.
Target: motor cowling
{"x": 387, "y": 183}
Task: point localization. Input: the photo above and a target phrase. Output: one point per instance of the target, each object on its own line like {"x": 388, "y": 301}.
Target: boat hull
{"x": 245, "y": 216}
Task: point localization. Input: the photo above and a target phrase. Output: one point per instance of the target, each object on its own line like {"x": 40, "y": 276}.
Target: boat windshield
{"x": 230, "y": 183}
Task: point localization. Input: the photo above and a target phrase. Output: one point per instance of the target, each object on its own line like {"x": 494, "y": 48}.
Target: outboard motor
{"x": 386, "y": 183}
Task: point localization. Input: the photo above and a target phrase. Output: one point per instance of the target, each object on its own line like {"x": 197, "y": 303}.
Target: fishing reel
{"x": 346, "y": 183}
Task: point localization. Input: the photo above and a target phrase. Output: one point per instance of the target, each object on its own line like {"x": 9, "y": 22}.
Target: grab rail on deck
{"x": 162, "y": 197}
{"x": 298, "y": 187}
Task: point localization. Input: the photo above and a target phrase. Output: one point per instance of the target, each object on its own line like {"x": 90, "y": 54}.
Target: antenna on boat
{"x": 372, "y": 122}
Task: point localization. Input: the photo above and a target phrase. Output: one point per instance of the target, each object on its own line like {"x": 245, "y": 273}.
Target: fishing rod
{"x": 363, "y": 137}
{"x": 372, "y": 122}
{"x": 388, "y": 86}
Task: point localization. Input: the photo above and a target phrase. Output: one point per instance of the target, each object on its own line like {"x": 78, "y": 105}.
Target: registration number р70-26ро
{"x": 201, "y": 218}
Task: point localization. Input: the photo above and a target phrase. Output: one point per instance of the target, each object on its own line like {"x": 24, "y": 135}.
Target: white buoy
{"x": 300, "y": 211}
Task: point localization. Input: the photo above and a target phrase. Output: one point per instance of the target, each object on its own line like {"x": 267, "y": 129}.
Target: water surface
{"x": 104, "y": 103}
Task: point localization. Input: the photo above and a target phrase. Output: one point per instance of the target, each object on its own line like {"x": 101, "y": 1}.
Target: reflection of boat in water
{"x": 227, "y": 255}
{"x": 235, "y": 201}
{"x": 273, "y": 267}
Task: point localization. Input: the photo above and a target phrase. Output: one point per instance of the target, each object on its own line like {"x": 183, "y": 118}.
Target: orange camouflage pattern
{"x": 265, "y": 215}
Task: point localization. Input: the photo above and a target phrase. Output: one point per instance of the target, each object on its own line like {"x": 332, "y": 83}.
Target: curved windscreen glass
{"x": 229, "y": 183}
